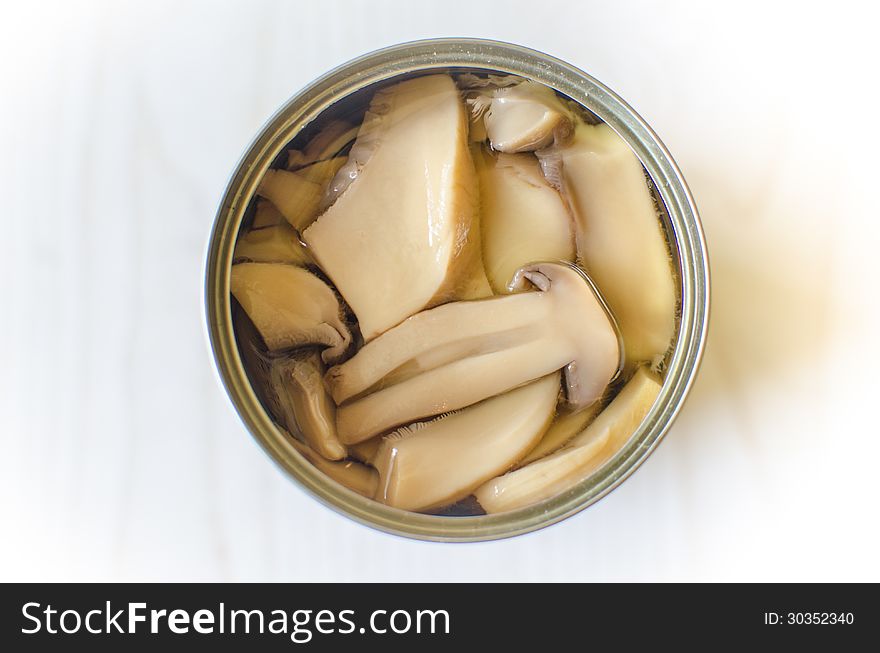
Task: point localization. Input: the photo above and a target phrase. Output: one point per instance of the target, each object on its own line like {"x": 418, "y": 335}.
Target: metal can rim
{"x": 690, "y": 246}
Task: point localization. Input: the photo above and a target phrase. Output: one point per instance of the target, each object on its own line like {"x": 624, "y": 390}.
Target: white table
{"x": 121, "y": 457}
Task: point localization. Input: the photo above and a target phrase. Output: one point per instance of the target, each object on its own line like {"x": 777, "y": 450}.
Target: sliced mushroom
{"x": 326, "y": 144}
{"x": 365, "y": 451}
{"x": 295, "y": 197}
{"x": 298, "y": 386}
{"x": 290, "y": 307}
{"x": 619, "y": 236}
{"x": 477, "y": 91}
{"x": 588, "y": 451}
{"x": 266, "y": 215}
{"x": 331, "y": 140}
{"x": 296, "y": 160}
{"x": 397, "y": 239}
{"x": 323, "y": 171}
{"x": 490, "y": 82}
{"x": 296, "y": 194}
{"x": 369, "y": 137}
{"x": 463, "y": 352}
{"x": 477, "y": 128}
{"x": 431, "y": 464}
{"x": 522, "y": 218}
{"x": 564, "y": 428}
{"x": 353, "y": 475}
{"x": 526, "y": 117}
{"x": 276, "y": 244}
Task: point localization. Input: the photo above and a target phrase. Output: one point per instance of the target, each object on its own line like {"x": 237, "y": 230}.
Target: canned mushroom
{"x": 458, "y": 289}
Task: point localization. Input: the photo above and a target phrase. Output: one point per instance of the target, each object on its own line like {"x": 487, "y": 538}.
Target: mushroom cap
{"x": 525, "y": 117}
{"x": 290, "y": 307}
{"x": 584, "y": 320}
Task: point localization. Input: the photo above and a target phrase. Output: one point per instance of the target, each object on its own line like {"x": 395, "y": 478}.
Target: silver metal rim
{"x": 506, "y": 58}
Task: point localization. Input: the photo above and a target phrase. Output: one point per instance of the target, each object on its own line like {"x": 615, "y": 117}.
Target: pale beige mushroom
{"x": 290, "y": 307}
{"x": 297, "y": 384}
{"x": 477, "y": 91}
{"x": 526, "y": 117}
{"x": 431, "y": 464}
{"x": 564, "y": 428}
{"x": 620, "y": 239}
{"x": 365, "y": 451}
{"x": 276, "y": 244}
{"x": 463, "y": 352}
{"x": 335, "y": 136}
{"x": 266, "y": 215}
{"x": 522, "y": 218}
{"x": 398, "y": 236}
{"x": 574, "y": 463}
{"x": 477, "y": 130}
{"x": 327, "y": 143}
{"x": 353, "y": 475}
{"x": 295, "y": 197}
{"x": 321, "y": 172}
{"x": 296, "y": 160}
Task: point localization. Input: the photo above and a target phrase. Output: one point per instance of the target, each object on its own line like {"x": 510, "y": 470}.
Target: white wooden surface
{"x": 120, "y": 456}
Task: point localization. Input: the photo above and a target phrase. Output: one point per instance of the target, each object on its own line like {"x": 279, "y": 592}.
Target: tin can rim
{"x": 415, "y": 56}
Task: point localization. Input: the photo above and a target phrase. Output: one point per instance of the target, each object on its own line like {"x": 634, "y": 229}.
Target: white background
{"x": 120, "y": 456}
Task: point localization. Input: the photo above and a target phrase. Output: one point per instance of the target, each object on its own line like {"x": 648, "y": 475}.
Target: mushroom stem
{"x": 419, "y": 368}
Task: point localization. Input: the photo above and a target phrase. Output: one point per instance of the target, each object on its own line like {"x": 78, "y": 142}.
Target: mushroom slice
{"x": 294, "y": 196}
{"x": 558, "y": 472}
{"x": 619, "y": 236}
{"x": 522, "y": 218}
{"x": 526, "y": 117}
{"x": 298, "y": 386}
{"x": 477, "y": 92}
{"x": 477, "y": 128}
{"x": 463, "y": 352}
{"x": 492, "y": 81}
{"x": 397, "y": 238}
{"x": 365, "y": 451}
{"x": 431, "y": 464}
{"x": 322, "y": 172}
{"x": 276, "y": 244}
{"x": 353, "y": 475}
{"x": 290, "y": 307}
{"x": 296, "y": 160}
{"x": 331, "y": 140}
{"x": 565, "y": 427}
{"x": 266, "y": 215}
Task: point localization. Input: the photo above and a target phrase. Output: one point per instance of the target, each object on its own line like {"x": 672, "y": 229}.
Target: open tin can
{"x": 677, "y": 211}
